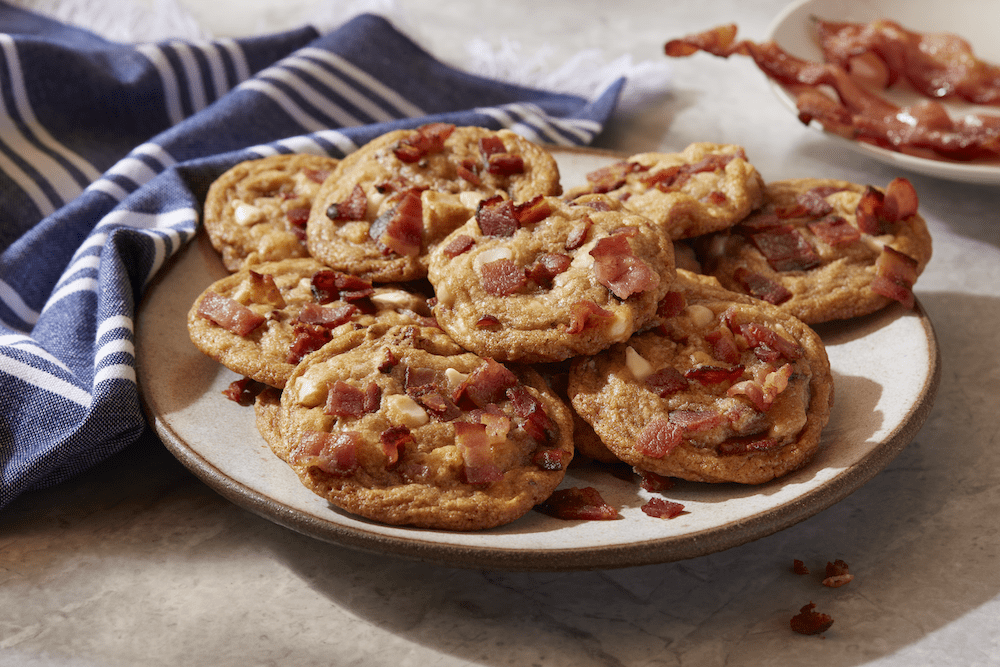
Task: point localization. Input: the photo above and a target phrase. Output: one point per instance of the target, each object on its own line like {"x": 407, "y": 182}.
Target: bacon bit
{"x": 578, "y": 504}
{"x": 654, "y": 482}
{"x": 612, "y": 177}
{"x": 393, "y": 440}
{"x": 373, "y": 398}
{"x": 617, "y": 268}
{"x": 835, "y": 230}
{"x": 547, "y": 266}
{"x": 717, "y": 41}
{"x": 537, "y": 423}
{"x": 869, "y": 212}
{"x": 837, "y": 574}
{"x": 345, "y": 400}
{"x": 334, "y": 453}
{"x": 262, "y": 290}
{"x": 666, "y": 381}
{"x": 534, "y": 210}
{"x": 761, "y": 287}
{"x": 809, "y": 622}
{"x": 785, "y": 249}
{"x": 895, "y": 274}
{"x": 659, "y": 438}
{"x": 578, "y": 236}
{"x": 715, "y": 198}
{"x": 458, "y": 245}
{"x": 388, "y": 362}
{"x": 298, "y": 217}
{"x": 401, "y": 228}
{"x": 491, "y": 145}
{"x": 328, "y": 285}
{"x": 425, "y": 140}
{"x": 419, "y": 379}
{"x": 723, "y": 345}
{"x": 502, "y": 277}
{"x": 474, "y": 444}
{"x": 586, "y": 314}
{"x": 326, "y": 317}
{"x": 662, "y": 509}
{"x": 316, "y": 175}
{"x": 243, "y": 391}
{"x": 496, "y": 422}
{"x": 496, "y": 217}
{"x": 900, "y": 200}
{"x": 798, "y": 567}
{"x": 355, "y": 207}
{"x": 229, "y": 314}
{"x": 693, "y": 421}
{"x": 550, "y": 459}
{"x": 307, "y": 338}
{"x": 747, "y": 445}
{"x": 671, "y": 305}
{"x": 487, "y": 383}
{"x": 487, "y": 322}
{"x": 758, "y": 335}
{"x": 439, "y": 405}
{"x": 505, "y": 165}
{"x": 706, "y": 374}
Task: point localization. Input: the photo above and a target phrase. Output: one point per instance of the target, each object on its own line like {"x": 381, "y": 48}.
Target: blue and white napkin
{"x": 106, "y": 152}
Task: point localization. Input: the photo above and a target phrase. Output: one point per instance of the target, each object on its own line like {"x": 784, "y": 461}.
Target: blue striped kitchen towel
{"x": 106, "y": 152}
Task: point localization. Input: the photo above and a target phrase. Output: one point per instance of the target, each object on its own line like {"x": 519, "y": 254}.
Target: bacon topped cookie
{"x": 260, "y": 321}
{"x": 726, "y": 389}
{"x": 393, "y": 200}
{"x": 258, "y": 209}
{"x": 409, "y": 429}
{"x": 704, "y": 188}
{"x": 825, "y": 249}
{"x": 548, "y": 280}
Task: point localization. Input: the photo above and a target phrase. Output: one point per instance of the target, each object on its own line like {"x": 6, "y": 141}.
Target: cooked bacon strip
{"x": 834, "y": 230}
{"x": 547, "y": 266}
{"x": 659, "y": 508}
{"x": 761, "y": 287}
{"x": 666, "y": 381}
{"x": 425, "y": 140}
{"x": 785, "y": 249}
{"x": 895, "y": 274}
{"x": 334, "y": 453}
{"x": 325, "y": 316}
{"x": 229, "y": 314}
{"x": 345, "y": 400}
{"x": 328, "y": 285}
{"x": 488, "y": 383}
{"x": 394, "y": 440}
{"x": 496, "y": 217}
{"x": 401, "y": 228}
{"x": 458, "y": 245}
{"x": 659, "y": 438}
{"x": 502, "y": 277}
{"x": 474, "y": 444}
{"x": 308, "y": 338}
{"x": 617, "y": 268}
{"x": 586, "y": 314}
{"x": 577, "y": 503}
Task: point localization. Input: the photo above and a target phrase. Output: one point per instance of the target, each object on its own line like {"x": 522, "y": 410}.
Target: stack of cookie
{"x": 440, "y": 328}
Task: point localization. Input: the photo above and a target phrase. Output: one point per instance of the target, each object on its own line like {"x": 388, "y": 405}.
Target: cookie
{"x": 548, "y": 280}
{"x": 258, "y": 209}
{"x": 825, "y": 249}
{"x": 705, "y": 188}
{"x": 260, "y": 321}
{"x": 408, "y": 429}
{"x": 392, "y": 201}
{"x": 726, "y": 389}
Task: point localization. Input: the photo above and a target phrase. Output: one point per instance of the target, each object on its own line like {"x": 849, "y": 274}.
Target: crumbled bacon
{"x": 659, "y": 438}
{"x": 745, "y": 445}
{"x": 547, "y": 266}
{"x": 425, "y": 140}
{"x": 534, "y": 210}
{"x": 900, "y": 200}
{"x": 692, "y": 421}
{"x": 837, "y": 574}
{"x": 834, "y": 230}
{"x": 798, "y": 567}
{"x": 578, "y": 236}
{"x": 707, "y": 374}
{"x": 502, "y": 277}
{"x": 229, "y": 314}
{"x": 586, "y": 314}
{"x": 724, "y": 346}
{"x": 671, "y": 305}
{"x": 325, "y": 316}
{"x": 334, "y": 453}
{"x": 761, "y": 287}
{"x": 758, "y": 335}
{"x": 458, "y": 245}
{"x": 895, "y": 274}
{"x": 394, "y": 440}
{"x": 297, "y": 217}
{"x": 662, "y": 509}
{"x": 666, "y": 381}
{"x": 785, "y": 248}
{"x": 440, "y": 405}
{"x": 401, "y": 228}
{"x": 345, "y": 400}
{"x": 612, "y": 176}
{"x": 654, "y": 482}
{"x": 617, "y": 268}
{"x": 809, "y": 622}
{"x": 497, "y": 159}
{"x": 536, "y": 421}
{"x": 307, "y": 338}
{"x": 487, "y": 383}
{"x": 388, "y": 362}
{"x": 328, "y": 285}
{"x": 550, "y": 459}
{"x": 243, "y": 391}
{"x": 496, "y": 217}
{"x": 474, "y": 444}
{"x": 353, "y": 208}
{"x": 577, "y": 503}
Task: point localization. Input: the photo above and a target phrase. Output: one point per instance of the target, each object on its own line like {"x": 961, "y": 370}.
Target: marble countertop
{"x": 136, "y": 562}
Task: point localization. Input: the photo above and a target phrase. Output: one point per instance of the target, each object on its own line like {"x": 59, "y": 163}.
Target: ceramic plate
{"x": 974, "y": 20}
{"x": 886, "y": 369}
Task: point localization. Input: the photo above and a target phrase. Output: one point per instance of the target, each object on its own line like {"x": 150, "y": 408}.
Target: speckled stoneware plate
{"x": 973, "y": 20}
{"x": 886, "y": 369}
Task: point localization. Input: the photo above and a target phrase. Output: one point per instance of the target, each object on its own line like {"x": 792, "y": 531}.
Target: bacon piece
{"x": 746, "y": 445}
{"x": 229, "y": 314}
{"x": 895, "y": 274}
{"x": 719, "y": 41}
{"x": 724, "y": 346}
{"x": 262, "y": 290}
{"x": 502, "y": 277}
{"x": 355, "y": 207}
{"x": 532, "y": 211}
{"x": 809, "y": 622}
{"x": 487, "y": 383}
{"x": 496, "y": 217}
{"x": 373, "y": 398}
{"x": 458, "y": 245}
{"x": 612, "y": 176}
{"x": 586, "y": 314}
{"x": 761, "y": 287}
{"x": 900, "y": 201}
{"x": 659, "y": 438}
{"x": 837, "y": 574}
{"x": 798, "y": 567}
{"x": 345, "y": 400}
{"x": 328, "y": 285}
{"x": 401, "y": 228}
{"x": 297, "y": 217}
{"x": 578, "y": 236}
{"x": 834, "y": 230}
{"x": 425, "y": 140}
{"x": 617, "y": 268}
{"x": 550, "y": 459}
{"x": 762, "y": 393}
{"x": 757, "y": 335}
{"x": 536, "y": 422}
{"x": 577, "y": 503}
{"x": 706, "y": 374}
{"x": 474, "y": 444}
{"x": 659, "y": 508}
{"x": 394, "y": 440}
{"x": 307, "y": 338}
{"x": 243, "y": 391}
{"x": 693, "y": 421}
{"x": 325, "y": 316}
{"x": 654, "y": 482}
{"x": 671, "y": 305}
{"x": 547, "y": 266}
{"x": 334, "y": 453}
{"x": 666, "y": 381}
{"x": 785, "y": 249}
{"x": 439, "y": 405}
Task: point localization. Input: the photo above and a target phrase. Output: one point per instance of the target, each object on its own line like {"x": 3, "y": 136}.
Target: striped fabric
{"x": 106, "y": 152}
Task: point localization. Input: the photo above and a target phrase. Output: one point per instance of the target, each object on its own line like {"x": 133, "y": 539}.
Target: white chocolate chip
{"x": 404, "y": 410}
{"x": 312, "y": 391}
{"x": 455, "y": 378}
{"x": 637, "y": 364}
{"x": 246, "y": 214}
{"x": 393, "y": 300}
{"x": 491, "y": 255}
{"x": 700, "y": 316}
{"x": 621, "y": 326}
{"x": 470, "y": 199}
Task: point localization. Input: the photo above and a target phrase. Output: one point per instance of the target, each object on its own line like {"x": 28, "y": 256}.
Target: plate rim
{"x": 983, "y": 174}
{"x": 653, "y": 551}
